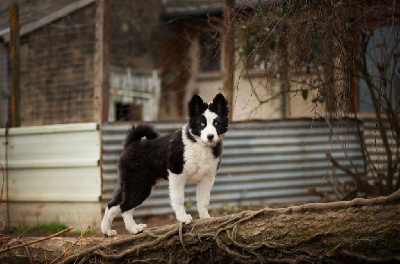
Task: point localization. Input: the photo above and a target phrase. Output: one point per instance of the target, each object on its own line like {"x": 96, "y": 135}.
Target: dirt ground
{"x": 118, "y": 225}
{"x": 150, "y": 221}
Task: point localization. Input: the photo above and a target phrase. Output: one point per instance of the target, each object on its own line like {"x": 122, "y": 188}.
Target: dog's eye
{"x": 215, "y": 123}
{"x": 202, "y": 124}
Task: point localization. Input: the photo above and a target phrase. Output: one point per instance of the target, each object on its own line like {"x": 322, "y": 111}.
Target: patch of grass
{"x": 91, "y": 231}
{"x": 46, "y": 227}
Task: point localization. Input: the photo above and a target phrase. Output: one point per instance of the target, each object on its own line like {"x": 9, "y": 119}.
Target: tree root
{"x": 223, "y": 238}
{"x": 137, "y": 248}
{"x": 331, "y": 232}
{"x": 359, "y": 257}
{"x": 34, "y": 241}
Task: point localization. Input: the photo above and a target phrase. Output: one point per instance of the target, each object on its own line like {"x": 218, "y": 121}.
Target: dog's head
{"x": 208, "y": 123}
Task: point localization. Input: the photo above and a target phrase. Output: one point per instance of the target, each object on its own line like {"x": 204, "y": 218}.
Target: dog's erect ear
{"x": 220, "y": 105}
{"x": 196, "y": 106}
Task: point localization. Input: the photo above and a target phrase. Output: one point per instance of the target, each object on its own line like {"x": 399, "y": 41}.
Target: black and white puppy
{"x": 190, "y": 154}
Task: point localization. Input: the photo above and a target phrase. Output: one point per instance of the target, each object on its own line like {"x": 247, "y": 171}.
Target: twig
{"x": 4, "y": 235}
{"x": 23, "y": 233}
{"x": 28, "y": 254}
{"x": 73, "y": 244}
{"x": 2, "y": 186}
{"x": 36, "y": 241}
{"x": 181, "y": 237}
{"x": 339, "y": 166}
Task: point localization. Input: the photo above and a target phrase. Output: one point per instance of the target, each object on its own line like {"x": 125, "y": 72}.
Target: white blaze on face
{"x": 209, "y": 129}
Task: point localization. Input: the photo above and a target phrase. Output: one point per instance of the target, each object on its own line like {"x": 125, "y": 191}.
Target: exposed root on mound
{"x": 360, "y": 230}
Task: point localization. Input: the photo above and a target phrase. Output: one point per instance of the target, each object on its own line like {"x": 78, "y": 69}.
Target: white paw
{"x": 110, "y": 233}
{"x": 143, "y": 226}
{"x": 205, "y": 216}
{"x": 185, "y": 218}
{"x": 134, "y": 229}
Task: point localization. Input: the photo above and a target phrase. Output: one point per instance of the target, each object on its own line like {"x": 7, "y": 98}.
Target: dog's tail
{"x": 138, "y": 132}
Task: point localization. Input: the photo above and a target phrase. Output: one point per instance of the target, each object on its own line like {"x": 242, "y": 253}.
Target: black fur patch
{"x": 195, "y": 124}
{"x": 116, "y": 200}
{"x": 196, "y": 106}
{"x": 220, "y": 107}
{"x": 141, "y": 164}
{"x": 175, "y": 153}
{"x": 189, "y": 136}
{"x": 137, "y": 133}
{"x": 221, "y": 124}
{"x": 217, "y": 150}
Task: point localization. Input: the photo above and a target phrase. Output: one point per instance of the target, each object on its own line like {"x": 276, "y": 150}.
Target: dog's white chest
{"x": 199, "y": 162}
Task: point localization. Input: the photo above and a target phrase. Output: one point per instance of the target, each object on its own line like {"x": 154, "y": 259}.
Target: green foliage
{"x": 54, "y": 226}
{"x": 189, "y": 203}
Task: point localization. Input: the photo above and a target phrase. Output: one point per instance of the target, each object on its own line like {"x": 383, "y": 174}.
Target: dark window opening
{"x": 128, "y": 112}
{"x": 382, "y": 49}
{"x": 210, "y": 52}
{"x": 260, "y": 58}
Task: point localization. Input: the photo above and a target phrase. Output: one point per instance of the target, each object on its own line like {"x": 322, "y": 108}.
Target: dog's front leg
{"x": 203, "y": 195}
{"x": 177, "y": 196}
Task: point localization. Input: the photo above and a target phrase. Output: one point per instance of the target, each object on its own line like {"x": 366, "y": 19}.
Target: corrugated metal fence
{"x": 375, "y": 144}
{"x": 54, "y": 174}
{"x": 263, "y": 162}
{"x": 47, "y": 163}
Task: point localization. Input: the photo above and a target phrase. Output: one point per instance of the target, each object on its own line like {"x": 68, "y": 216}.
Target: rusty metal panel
{"x": 263, "y": 162}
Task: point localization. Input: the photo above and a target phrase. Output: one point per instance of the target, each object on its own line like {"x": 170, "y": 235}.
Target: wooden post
{"x": 228, "y": 47}
{"x": 15, "y": 96}
{"x": 102, "y": 61}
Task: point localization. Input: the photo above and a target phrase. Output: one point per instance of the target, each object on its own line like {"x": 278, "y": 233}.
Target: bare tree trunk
{"x": 341, "y": 232}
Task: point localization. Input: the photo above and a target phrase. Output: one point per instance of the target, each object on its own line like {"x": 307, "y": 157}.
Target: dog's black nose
{"x": 210, "y": 137}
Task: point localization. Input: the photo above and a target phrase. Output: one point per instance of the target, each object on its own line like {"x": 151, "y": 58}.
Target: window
{"x": 308, "y": 50}
{"x": 259, "y": 57}
{"x": 382, "y": 50}
{"x": 210, "y": 52}
{"x": 258, "y": 44}
{"x": 128, "y": 112}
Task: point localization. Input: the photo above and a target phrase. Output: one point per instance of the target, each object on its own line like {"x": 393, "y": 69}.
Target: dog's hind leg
{"x": 133, "y": 199}
{"x": 109, "y": 215}
{"x": 130, "y": 224}
{"x": 112, "y": 210}
{"x": 116, "y": 200}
